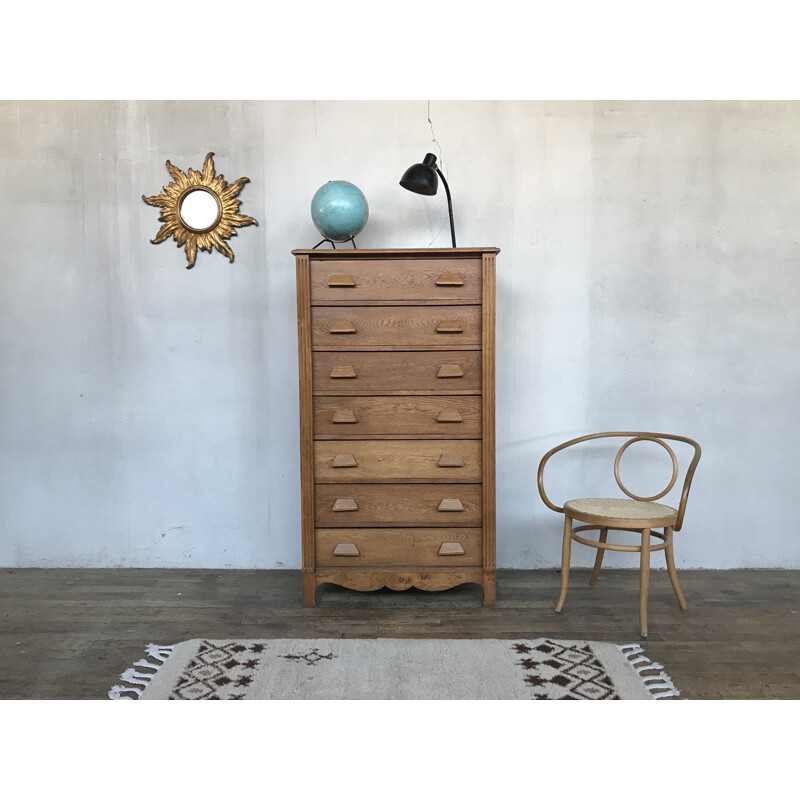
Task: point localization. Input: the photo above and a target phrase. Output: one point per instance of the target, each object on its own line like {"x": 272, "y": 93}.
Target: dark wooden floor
{"x": 69, "y": 633}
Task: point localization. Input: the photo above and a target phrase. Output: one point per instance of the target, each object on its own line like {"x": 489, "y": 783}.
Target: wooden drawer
{"x": 409, "y": 373}
{"x": 398, "y": 461}
{"x": 350, "y": 505}
{"x": 423, "y": 547}
{"x": 445, "y": 280}
{"x": 395, "y": 327}
{"x": 443, "y": 417}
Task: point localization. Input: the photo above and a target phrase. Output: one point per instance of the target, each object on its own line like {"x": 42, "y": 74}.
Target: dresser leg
{"x": 488, "y": 588}
{"x": 309, "y": 590}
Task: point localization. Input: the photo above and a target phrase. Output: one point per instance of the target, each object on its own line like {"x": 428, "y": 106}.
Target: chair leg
{"x": 565, "y": 554}
{"x": 644, "y": 581}
{"x": 673, "y": 575}
{"x": 598, "y": 559}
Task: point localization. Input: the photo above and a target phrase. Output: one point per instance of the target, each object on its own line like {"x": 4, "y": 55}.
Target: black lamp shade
{"x": 422, "y": 178}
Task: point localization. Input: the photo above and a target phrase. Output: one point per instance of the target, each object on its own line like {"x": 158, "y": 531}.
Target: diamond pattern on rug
{"x": 312, "y": 658}
{"x": 217, "y": 671}
{"x": 564, "y": 672}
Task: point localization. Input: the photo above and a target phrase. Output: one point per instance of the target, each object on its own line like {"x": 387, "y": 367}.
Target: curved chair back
{"x": 631, "y": 437}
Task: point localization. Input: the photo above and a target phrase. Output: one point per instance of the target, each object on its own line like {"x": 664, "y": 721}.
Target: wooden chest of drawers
{"x": 396, "y": 352}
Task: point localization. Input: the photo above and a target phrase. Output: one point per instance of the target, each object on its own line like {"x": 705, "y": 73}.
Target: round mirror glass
{"x": 199, "y": 210}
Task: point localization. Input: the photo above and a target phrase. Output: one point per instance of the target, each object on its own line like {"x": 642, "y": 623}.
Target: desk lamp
{"x": 421, "y": 178}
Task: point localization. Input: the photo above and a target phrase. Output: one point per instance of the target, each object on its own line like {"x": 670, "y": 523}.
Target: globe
{"x": 339, "y": 210}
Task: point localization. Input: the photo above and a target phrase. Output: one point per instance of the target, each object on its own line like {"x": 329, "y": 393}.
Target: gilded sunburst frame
{"x": 215, "y": 234}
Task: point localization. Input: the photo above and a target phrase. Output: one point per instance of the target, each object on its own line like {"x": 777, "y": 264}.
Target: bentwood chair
{"x": 629, "y": 514}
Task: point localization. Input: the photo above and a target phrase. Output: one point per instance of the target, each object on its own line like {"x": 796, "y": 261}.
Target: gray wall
{"x": 648, "y": 279}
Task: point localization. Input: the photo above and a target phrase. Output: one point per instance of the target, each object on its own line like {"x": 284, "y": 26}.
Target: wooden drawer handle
{"x": 343, "y": 416}
{"x": 451, "y": 504}
{"x": 345, "y": 504}
{"x": 342, "y": 326}
{"x": 449, "y": 416}
{"x": 450, "y": 371}
{"x": 451, "y": 460}
{"x": 343, "y": 372}
{"x": 346, "y": 549}
{"x": 451, "y": 549}
{"x": 449, "y": 326}
{"x": 342, "y": 281}
{"x": 344, "y": 461}
{"x": 449, "y": 279}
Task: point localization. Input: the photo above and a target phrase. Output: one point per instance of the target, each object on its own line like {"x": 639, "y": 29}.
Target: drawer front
{"x": 446, "y": 417}
{"x": 389, "y": 547}
{"x": 449, "y": 280}
{"x": 352, "y": 373}
{"x": 398, "y": 461}
{"x": 348, "y": 505}
{"x": 364, "y": 328}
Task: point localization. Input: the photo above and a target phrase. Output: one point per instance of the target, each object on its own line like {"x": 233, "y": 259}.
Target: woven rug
{"x": 394, "y": 669}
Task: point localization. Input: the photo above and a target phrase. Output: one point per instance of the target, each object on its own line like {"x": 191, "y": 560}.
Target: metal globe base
{"x": 333, "y": 244}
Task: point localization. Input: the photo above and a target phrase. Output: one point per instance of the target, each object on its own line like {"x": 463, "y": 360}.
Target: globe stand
{"x": 333, "y": 244}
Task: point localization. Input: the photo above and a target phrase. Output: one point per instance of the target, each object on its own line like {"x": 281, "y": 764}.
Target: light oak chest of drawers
{"x": 396, "y": 351}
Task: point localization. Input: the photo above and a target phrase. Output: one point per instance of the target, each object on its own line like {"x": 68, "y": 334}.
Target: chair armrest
{"x": 540, "y": 477}
{"x": 558, "y": 449}
{"x": 687, "y": 483}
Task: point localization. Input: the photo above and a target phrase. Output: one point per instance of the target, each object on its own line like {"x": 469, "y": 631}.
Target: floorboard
{"x": 69, "y": 633}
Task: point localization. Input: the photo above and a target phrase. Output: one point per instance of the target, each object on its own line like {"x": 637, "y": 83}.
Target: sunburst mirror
{"x": 199, "y": 210}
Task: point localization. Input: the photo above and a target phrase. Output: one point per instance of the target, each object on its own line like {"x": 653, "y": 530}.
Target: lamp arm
{"x": 449, "y": 206}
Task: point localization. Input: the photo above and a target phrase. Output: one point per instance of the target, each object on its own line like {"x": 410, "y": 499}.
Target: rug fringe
{"x": 132, "y": 676}
{"x": 659, "y": 685}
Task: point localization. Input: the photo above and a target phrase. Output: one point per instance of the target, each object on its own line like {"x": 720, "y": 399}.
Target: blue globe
{"x": 339, "y": 210}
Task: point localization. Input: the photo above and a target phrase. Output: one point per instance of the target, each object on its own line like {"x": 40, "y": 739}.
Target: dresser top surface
{"x": 407, "y": 252}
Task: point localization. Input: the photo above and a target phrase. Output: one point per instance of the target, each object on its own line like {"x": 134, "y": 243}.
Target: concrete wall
{"x": 648, "y": 279}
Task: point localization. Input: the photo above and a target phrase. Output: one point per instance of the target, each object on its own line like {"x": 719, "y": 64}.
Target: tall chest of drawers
{"x": 396, "y": 353}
